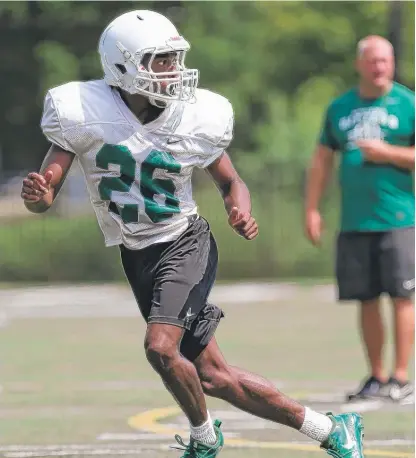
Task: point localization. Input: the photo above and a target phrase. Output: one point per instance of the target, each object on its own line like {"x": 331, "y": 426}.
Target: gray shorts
{"x": 172, "y": 281}
{"x": 369, "y": 264}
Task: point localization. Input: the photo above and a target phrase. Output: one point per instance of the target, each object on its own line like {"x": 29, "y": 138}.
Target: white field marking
{"x": 74, "y": 447}
{"x": 359, "y": 406}
{"x": 132, "y": 437}
{"x": 117, "y": 300}
{"x": 390, "y": 442}
{"x": 97, "y": 452}
{"x": 408, "y": 401}
{"x": 147, "y": 437}
{"x": 28, "y": 451}
{"x": 365, "y": 406}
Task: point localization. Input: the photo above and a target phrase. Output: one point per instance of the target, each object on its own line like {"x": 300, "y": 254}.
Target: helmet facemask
{"x": 162, "y": 88}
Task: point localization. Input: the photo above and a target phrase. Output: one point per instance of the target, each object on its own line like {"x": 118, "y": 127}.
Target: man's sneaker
{"x": 197, "y": 449}
{"x": 346, "y": 438}
{"x": 399, "y": 392}
{"x": 372, "y": 388}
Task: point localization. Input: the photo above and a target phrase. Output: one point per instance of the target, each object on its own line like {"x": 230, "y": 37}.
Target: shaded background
{"x": 279, "y": 63}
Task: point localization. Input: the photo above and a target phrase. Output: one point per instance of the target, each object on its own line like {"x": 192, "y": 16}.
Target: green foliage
{"x": 50, "y": 54}
{"x": 52, "y": 249}
{"x": 278, "y": 62}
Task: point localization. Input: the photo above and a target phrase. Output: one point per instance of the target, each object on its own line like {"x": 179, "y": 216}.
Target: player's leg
{"x": 258, "y": 396}
{"x": 183, "y": 278}
{"x": 171, "y": 282}
{"x": 373, "y": 336}
{"x": 177, "y": 373}
{"x": 144, "y": 270}
{"x": 246, "y": 391}
{"x": 398, "y": 271}
{"x": 358, "y": 278}
{"x": 404, "y": 313}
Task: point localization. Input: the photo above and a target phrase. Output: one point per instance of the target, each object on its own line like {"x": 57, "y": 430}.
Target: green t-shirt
{"x": 374, "y": 197}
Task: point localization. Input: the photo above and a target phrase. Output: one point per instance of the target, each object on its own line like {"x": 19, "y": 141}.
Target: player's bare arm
{"x": 318, "y": 176}
{"x": 39, "y": 190}
{"x": 381, "y": 152}
{"x": 236, "y": 197}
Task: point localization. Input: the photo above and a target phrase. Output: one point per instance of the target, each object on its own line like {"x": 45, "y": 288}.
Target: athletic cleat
{"x": 197, "y": 449}
{"x": 346, "y": 437}
{"x": 372, "y": 388}
{"x": 402, "y": 393}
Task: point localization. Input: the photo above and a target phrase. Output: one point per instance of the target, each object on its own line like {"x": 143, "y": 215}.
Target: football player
{"x": 137, "y": 135}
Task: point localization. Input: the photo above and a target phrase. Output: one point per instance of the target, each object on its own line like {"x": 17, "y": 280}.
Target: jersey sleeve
{"x": 51, "y": 124}
{"x": 219, "y": 148}
{"x": 327, "y": 137}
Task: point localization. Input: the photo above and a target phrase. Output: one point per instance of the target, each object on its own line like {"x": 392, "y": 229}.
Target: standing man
{"x": 372, "y": 126}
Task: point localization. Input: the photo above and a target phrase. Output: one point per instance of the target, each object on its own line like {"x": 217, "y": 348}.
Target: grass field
{"x": 75, "y": 381}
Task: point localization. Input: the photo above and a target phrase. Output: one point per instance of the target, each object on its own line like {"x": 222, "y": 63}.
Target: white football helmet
{"x": 134, "y": 35}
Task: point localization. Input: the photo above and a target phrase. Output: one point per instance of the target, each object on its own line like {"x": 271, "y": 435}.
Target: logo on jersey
{"x": 367, "y": 123}
{"x": 189, "y": 314}
{"x": 171, "y": 141}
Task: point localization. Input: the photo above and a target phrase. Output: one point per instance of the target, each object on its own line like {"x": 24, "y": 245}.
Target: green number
{"x": 149, "y": 186}
{"x": 118, "y": 155}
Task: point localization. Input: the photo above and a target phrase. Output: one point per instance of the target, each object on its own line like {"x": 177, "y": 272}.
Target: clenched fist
{"x": 35, "y": 186}
{"x": 243, "y": 223}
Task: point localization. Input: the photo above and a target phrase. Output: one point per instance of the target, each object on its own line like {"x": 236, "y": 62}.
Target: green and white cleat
{"x": 196, "y": 449}
{"x": 346, "y": 437}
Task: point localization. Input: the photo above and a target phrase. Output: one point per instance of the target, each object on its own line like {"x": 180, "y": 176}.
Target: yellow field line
{"x": 150, "y": 421}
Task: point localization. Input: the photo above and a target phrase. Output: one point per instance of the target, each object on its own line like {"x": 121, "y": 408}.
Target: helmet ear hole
{"x": 121, "y": 68}
{"x": 145, "y": 60}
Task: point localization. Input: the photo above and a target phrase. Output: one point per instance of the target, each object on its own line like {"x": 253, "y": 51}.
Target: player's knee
{"x": 217, "y": 382}
{"x": 403, "y": 302}
{"x": 160, "y": 352}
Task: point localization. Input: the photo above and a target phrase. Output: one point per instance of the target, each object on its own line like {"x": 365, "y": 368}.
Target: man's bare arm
{"x": 39, "y": 190}
{"x": 232, "y": 188}
{"x": 318, "y": 176}
{"x": 236, "y": 196}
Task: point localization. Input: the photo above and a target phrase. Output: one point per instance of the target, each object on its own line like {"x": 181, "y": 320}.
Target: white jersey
{"x": 138, "y": 176}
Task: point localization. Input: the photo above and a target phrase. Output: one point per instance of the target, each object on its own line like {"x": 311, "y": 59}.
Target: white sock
{"x": 316, "y": 425}
{"x": 204, "y": 433}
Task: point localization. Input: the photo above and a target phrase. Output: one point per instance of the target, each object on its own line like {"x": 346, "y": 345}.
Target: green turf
{"x": 66, "y": 381}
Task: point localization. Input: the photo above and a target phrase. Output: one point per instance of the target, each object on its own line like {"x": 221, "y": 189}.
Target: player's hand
{"x": 243, "y": 223}
{"x": 375, "y": 150}
{"x": 313, "y": 226}
{"x": 35, "y": 186}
